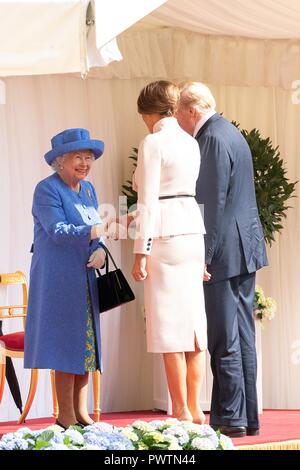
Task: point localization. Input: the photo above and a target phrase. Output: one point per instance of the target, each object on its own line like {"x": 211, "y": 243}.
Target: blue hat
{"x": 71, "y": 140}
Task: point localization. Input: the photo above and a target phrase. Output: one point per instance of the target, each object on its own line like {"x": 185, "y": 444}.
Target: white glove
{"x": 97, "y": 259}
{"x": 116, "y": 231}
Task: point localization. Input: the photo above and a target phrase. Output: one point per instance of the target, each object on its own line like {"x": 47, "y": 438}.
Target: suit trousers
{"x": 231, "y": 343}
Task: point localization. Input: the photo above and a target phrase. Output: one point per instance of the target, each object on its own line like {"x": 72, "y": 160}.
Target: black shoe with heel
{"x": 82, "y": 424}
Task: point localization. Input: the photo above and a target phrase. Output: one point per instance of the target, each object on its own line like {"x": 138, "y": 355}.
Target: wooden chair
{"x": 12, "y": 345}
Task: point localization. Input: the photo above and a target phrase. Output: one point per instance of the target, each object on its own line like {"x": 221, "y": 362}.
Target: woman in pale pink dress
{"x": 169, "y": 248}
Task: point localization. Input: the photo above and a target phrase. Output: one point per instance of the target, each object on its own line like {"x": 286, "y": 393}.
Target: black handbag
{"x": 113, "y": 288}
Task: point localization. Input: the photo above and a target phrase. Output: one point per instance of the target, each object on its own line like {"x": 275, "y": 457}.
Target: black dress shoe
{"x": 58, "y": 423}
{"x": 230, "y": 431}
{"x": 252, "y": 431}
{"x": 83, "y": 425}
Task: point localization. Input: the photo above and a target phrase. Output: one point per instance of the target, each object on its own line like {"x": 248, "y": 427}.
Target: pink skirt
{"x": 174, "y": 299}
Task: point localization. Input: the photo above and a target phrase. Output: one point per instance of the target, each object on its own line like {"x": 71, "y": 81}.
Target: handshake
{"x": 114, "y": 229}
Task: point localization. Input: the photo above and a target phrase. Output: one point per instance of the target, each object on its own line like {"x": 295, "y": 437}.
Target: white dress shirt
{"x": 205, "y": 117}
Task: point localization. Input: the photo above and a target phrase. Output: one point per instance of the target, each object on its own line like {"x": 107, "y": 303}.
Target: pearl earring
{"x": 61, "y": 167}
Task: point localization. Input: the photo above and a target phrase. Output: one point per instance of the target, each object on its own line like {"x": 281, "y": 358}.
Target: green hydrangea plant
{"x": 272, "y": 187}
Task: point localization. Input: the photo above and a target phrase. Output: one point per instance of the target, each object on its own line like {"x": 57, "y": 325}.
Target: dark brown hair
{"x": 160, "y": 97}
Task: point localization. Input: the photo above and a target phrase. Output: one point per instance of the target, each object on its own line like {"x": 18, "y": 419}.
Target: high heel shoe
{"x": 82, "y": 424}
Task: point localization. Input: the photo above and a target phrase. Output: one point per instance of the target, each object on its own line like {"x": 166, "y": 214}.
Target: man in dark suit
{"x": 234, "y": 251}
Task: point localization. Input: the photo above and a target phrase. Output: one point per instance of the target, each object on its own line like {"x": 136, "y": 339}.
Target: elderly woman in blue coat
{"x": 62, "y": 329}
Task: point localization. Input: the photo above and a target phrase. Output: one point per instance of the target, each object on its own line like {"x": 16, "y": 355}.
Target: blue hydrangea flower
{"x": 9, "y": 445}
{"x": 97, "y": 439}
{"x": 119, "y": 442}
{"x": 178, "y": 432}
{"x": 58, "y": 438}
{"x": 108, "y": 441}
{"x": 202, "y": 430}
{"x": 15, "y": 443}
{"x": 202, "y": 443}
{"x": 100, "y": 427}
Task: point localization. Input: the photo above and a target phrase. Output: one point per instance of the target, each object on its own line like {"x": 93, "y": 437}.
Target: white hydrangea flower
{"x": 226, "y": 443}
{"x": 204, "y": 430}
{"x": 142, "y": 426}
{"x": 270, "y": 303}
{"x": 156, "y": 435}
{"x": 130, "y": 434}
{"x": 58, "y": 438}
{"x": 75, "y": 436}
{"x": 173, "y": 421}
{"x": 54, "y": 427}
{"x": 175, "y": 446}
{"x": 179, "y": 432}
{"x": 191, "y": 428}
{"x": 202, "y": 443}
{"x": 172, "y": 440}
{"x": 157, "y": 423}
{"x": 20, "y": 432}
{"x": 269, "y": 314}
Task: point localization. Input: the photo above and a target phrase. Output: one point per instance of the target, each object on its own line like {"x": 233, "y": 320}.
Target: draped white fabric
{"x": 221, "y": 60}
{"x": 257, "y": 18}
{"x": 43, "y": 37}
{"x": 32, "y": 42}
{"x": 46, "y": 36}
{"x": 38, "y": 107}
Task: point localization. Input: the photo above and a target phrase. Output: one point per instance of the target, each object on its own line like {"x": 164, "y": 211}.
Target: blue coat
{"x": 55, "y": 335}
{"x": 234, "y": 240}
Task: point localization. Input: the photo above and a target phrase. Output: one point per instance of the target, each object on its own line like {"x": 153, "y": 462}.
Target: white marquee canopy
{"x": 62, "y": 36}
{"x": 276, "y": 19}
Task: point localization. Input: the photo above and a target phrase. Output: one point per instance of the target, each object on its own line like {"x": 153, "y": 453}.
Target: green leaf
{"x": 40, "y": 444}
{"x": 272, "y": 187}
{"x": 46, "y": 435}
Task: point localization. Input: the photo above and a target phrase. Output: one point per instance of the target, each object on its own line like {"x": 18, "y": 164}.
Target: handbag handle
{"x": 108, "y": 255}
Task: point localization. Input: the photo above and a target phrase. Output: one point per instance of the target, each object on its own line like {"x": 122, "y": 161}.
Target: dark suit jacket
{"x": 234, "y": 242}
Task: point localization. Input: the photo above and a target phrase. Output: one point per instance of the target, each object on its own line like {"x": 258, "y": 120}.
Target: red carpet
{"x": 276, "y": 425}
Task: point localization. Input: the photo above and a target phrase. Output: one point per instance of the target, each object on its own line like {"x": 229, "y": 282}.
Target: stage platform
{"x": 280, "y": 429}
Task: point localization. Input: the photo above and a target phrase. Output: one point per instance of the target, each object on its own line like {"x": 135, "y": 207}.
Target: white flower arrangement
{"x": 264, "y": 307}
{"x": 169, "y": 434}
